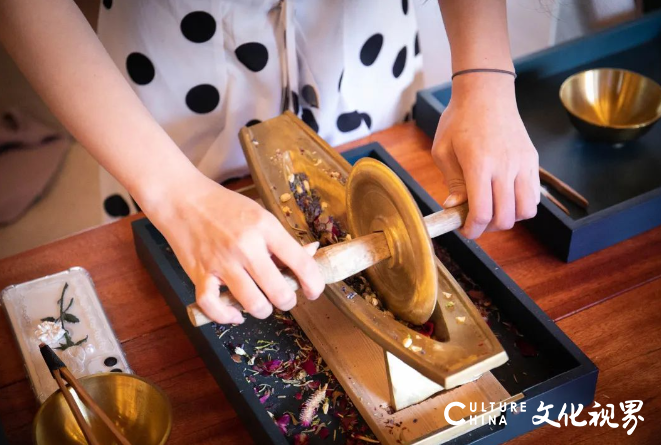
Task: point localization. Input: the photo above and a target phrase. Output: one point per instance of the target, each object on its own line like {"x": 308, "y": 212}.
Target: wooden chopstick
{"x": 93, "y": 406}
{"x": 563, "y": 188}
{"x": 554, "y": 200}
{"x": 78, "y": 415}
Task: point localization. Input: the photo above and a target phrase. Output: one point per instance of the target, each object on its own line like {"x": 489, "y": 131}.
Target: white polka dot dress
{"x": 206, "y": 68}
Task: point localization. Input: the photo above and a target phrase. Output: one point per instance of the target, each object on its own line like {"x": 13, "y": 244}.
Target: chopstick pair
{"x": 562, "y": 188}
{"x": 61, "y": 373}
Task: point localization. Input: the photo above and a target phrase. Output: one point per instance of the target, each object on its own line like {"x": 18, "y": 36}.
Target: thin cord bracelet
{"x": 484, "y": 70}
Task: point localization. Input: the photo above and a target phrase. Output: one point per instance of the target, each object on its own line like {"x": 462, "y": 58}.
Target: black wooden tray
{"x": 623, "y": 185}
{"x": 557, "y": 373}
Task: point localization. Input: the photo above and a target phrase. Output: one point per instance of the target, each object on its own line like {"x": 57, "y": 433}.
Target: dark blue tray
{"x": 623, "y": 185}
{"x": 560, "y": 374}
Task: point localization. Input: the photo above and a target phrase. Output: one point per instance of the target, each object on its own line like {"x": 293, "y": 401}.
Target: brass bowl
{"x": 141, "y": 410}
{"x": 611, "y": 105}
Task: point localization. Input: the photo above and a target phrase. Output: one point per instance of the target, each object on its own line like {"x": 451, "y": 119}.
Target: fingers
{"x": 526, "y": 189}
{"x": 504, "y": 206}
{"x": 298, "y": 260}
{"x": 247, "y": 293}
{"x": 480, "y": 204}
{"x": 453, "y": 175}
{"x": 268, "y": 277}
{"x": 206, "y": 295}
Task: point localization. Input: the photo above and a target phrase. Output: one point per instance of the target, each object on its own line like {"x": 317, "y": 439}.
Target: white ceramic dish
{"x": 28, "y": 304}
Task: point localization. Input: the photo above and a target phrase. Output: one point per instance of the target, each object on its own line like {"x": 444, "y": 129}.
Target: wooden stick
{"x": 554, "y": 200}
{"x": 564, "y": 189}
{"x": 78, "y": 415}
{"x": 340, "y": 261}
{"x": 93, "y": 406}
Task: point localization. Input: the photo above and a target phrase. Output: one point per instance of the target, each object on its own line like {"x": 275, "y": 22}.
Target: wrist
{"x": 483, "y": 85}
{"x": 158, "y": 189}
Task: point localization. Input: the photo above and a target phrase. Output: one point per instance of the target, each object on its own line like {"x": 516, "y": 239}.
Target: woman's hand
{"x": 222, "y": 237}
{"x": 485, "y": 154}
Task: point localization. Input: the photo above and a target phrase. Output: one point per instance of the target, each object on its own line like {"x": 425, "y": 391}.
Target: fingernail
{"x": 451, "y": 200}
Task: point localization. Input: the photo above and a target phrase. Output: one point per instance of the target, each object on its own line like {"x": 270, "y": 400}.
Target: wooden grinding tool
{"x": 392, "y": 241}
{"x": 388, "y": 225}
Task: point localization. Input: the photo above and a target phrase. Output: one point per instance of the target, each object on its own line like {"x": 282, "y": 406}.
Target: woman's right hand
{"x": 222, "y": 237}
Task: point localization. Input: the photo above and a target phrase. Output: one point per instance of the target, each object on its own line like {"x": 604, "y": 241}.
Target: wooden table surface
{"x": 608, "y": 303}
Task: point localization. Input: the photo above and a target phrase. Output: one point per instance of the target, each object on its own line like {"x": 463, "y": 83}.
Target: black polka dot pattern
{"x": 309, "y": 119}
{"x": 348, "y": 121}
{"x": 253, "y": 122}
{"x": 310, "y": 96}
{"x": 203, "y": 98}
{"x": 198, "y": 26}
{"x": 400, "y": 63}
{"x": 107, "y": 4}
{"x": 110, "y": 362}
{"x": 294, "y": 100}
{"x": 116, "y": 206}
{"x": 367, "y": 119}
{"x": 116, "y": 370}
{"x": 405, "y": 6}
{"x": 253, "y": 55}
{"x": 416, "y": 45}
{"x": 139, "y": 68}
{"x": 371, "y": 49}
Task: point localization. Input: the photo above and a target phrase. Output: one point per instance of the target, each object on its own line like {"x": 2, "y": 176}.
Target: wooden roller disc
{"x": 378, "y": 201}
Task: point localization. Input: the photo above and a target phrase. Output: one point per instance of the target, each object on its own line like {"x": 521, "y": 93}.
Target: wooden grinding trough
{"x": 366, "y": 349}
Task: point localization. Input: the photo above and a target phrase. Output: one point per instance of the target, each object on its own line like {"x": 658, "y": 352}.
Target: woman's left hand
{"x": 486, "y": 155}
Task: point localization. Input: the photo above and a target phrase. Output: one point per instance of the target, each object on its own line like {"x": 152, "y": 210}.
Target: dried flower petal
{"x": 447, "y": 295}
{"x": 309, "y": 367}
{"x": 408, "y": 341}
{"x": 285, "y": 197}
{"x": 301, "y": 439}
{"x": 324, "y": 433}
{"x": 461, "y": 320}
{"x": 283, "y": 423}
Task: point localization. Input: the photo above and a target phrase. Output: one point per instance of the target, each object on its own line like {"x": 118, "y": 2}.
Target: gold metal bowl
{"x": 140, "y": 409}
{"x": 611, "y": 105}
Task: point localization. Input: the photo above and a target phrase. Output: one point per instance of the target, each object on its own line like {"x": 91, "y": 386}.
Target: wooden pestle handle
{"x": 336, "y": 262}
{"x": 446, "y": 220}
{"x": 340, "y": 261}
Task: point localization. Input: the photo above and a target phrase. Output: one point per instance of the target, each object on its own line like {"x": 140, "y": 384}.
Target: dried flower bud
{"x": 285, "y": 197}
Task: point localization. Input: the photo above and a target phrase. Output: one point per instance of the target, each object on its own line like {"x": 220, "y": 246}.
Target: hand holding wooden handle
{"x": 340, "y": 261}
{"x": 336, "y": 262}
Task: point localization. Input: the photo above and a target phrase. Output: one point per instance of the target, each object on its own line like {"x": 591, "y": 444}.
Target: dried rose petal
{"x": 427, "y": 329}
{"x": 324, "y": 432}
{"x": 309, "y": 367}
{"x": 263, "y": 399}
{"x": 301, "y": 439}
{"x": 283, "y": 423}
